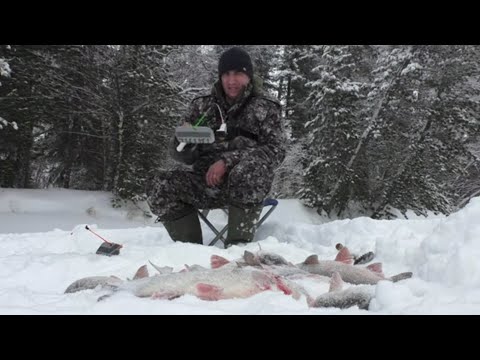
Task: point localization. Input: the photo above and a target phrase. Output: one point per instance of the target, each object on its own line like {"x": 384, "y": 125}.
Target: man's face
{"x": 234, "y": 82}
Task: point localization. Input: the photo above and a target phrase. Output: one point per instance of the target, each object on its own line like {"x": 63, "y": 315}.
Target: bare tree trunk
{"x": 106, "y": 141}
{"x": 25, "y": 156}
{"x": 119, "y": 154}
{"x": 280, "y": 89}
{"x": 362, "y": 141}
{"x": 68, "y": 156}
{"x": 287, "y": 101}
{"x": 467, "y": 199}
{"x": 401, "y": 170}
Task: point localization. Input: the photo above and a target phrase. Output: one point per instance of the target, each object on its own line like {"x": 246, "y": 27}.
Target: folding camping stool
{"x": 219, "y": 234}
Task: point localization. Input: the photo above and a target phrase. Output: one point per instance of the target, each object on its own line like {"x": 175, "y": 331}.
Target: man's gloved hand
{"x": 187, "y": 156}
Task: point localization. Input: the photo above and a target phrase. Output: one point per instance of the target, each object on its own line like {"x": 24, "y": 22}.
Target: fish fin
{"x": 141, "y": 273}
{"x": 194, "y": 267}
{"x": 161, "y": 270}
{"x": 241, "y": 264}
{"x": 283, "y": 286}
{"x": 310, "y": 301}
{"x": 376, "y": 268}
{"x": 336, "y": 282}
{"x": 209, "y": 292}
{"x": 401, "y": 276}
{"x": 165, "y": 295}
{"x": 251, "y": 259}
{"x": 311, "y": 260}
{"x": 103, "y": 297}
{"x": 217, "y": 261}
{"x": 263, "y": 281}
{"x": 344, "y": 256}
{"x": 365, "y": 258}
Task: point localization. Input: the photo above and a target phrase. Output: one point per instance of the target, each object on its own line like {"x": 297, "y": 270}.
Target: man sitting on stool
{"x": 236, "y": 170}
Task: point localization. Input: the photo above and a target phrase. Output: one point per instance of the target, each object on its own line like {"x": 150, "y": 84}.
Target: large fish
{"x": 343, "y": 264}
{"x": 336, "y": 272}
{"x": 357, "y": 295}
{"x": 269, "y": 262}
{"x": 336, "y": 296}
{"x": 206, "y": 284}
{"x": 250, "y": 275}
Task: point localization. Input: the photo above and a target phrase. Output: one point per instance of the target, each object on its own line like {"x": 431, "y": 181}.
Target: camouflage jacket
{"x": 254, "y": 130}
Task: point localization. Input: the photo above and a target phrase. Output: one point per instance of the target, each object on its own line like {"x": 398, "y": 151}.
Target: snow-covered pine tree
{"x": 266, "y": 60}
{"x": 146, "y": 111}
{"x": 22, "y": 104}
{"x": 69, "y": 139}
{"x": 7, "y": 168}
{"x": 293, "y": 74}
{"x": 337, "y": 88}
{"x": 425, "y": 123}
{"x": 194, "y": 68}
{"x": 145, "y": 106}
{"x": 290, "y": 76}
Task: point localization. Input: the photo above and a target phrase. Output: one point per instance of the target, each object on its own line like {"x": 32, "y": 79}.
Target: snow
{"x": 44, "y": 247}
{"x": 4, "y": 68}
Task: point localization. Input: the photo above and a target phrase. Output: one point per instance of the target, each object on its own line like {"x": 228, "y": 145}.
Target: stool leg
{"x": 219, "y": 235}
{"x": 266, "y": 216}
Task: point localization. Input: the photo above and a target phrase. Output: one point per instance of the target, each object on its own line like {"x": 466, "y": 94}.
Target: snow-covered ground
{"x": 44, "y": 247}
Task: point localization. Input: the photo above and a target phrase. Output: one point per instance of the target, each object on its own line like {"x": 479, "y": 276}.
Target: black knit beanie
{"x": 237, "y": 59}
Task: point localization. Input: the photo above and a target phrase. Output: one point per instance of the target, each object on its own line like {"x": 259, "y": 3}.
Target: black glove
{"x": 187, "y": 156}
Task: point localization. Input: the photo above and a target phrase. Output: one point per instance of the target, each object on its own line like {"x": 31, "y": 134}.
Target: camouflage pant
{"x": 178, "y": 193}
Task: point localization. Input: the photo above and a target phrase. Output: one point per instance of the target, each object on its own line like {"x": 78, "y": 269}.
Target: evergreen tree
{"x": 146, "y": 113}
{"x": 335, "y": 100}
{"x": 194, "y": 68}
{"x": 429, "y": 115}
{"x": 70, "y": 141}
{"x": 22, "y": 105}
{"x": 294, "y": 72}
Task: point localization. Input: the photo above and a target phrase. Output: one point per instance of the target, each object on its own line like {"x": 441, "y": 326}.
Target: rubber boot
{"x": 186, "y": 229}
{"x": 242, "y": 224}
